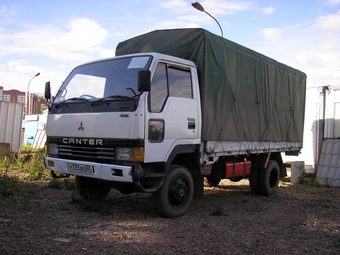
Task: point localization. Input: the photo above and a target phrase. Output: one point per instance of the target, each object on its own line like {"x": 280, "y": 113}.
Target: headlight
{"x": 125, "y": 154}
{"x": 130, "y": 154}
{"x": 52, "y": 148}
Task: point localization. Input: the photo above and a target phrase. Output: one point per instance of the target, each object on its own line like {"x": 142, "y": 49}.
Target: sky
{"x": 52, "y": 37}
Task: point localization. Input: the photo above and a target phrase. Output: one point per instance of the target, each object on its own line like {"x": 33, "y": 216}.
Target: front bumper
{"x": 106, "y": 172}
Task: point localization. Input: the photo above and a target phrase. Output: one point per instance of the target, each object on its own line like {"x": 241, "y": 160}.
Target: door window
{"x": 169, "y": 80}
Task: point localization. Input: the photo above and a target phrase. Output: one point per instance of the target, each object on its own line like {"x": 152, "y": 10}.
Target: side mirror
{"x": 47, "y": 90}
{"x": 144, "y": 80}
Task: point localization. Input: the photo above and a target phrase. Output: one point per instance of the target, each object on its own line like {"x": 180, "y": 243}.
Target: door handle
{"x": 191, "y": 125}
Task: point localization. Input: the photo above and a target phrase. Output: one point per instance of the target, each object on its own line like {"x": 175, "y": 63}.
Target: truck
{"x": 173, "y": 111}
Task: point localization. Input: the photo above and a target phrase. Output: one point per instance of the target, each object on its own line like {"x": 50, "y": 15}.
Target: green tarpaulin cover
{"x": 245, "y": 95}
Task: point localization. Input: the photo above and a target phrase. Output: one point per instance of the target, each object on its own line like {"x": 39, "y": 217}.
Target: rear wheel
{"x": 92, "y": 189}
{"x": 269, "y": 178}
{"x": 175, "y": 195}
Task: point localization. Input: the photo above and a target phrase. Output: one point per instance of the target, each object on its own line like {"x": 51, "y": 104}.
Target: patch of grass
{"x": 258, "y": 208}
{"x": 9, "y": 186}
{"x": 90, "y": 205}
{"x": 313, "y": 182}
{"x": 69, "y": 184}
{"x": 36, "y": 166}
{"x": 54, "y": 184}
{"x": 309, "y": 180}
{"x": 11, "y": 169}
{"x": 27, "y": 149}
{"x": 5, "y": 163}
{"x": 30, "y": 161}
{"x": 219, "y": 211}
{"x": 244, "y": 199}
{"x": 205, "y": 225}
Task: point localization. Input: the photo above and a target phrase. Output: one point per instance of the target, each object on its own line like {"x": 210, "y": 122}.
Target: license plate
{"x": 79, "y": 168}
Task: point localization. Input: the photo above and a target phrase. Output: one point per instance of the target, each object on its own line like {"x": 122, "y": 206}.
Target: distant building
{"x": 37, "y": 101}
{"x": 13, "y": 95}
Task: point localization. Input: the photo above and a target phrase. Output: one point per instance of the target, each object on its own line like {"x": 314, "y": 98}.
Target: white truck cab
{"x": 109, "y": 123}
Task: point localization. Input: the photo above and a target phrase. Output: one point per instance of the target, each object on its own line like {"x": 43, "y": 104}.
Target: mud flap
{"x": 198, "y": 185}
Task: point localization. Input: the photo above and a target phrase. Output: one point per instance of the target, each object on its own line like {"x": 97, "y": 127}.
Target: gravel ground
{"x": 229, "y": 219}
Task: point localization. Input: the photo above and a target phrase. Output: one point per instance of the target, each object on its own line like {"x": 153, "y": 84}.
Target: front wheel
{"x": 175, "y": 195}
{"x": 269, "y": 178}
{"x": 92, "y": 189}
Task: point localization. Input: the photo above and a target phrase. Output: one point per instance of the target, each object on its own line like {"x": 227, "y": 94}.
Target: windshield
{"x": 115, "y": 77}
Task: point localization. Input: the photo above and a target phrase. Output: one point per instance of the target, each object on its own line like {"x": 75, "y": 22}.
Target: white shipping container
{"x": 312, "y": 127}
{"x": 11, "y": 115}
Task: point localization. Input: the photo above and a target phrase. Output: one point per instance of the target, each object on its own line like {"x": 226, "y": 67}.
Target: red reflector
{"x": 206, "y": 169}
{"x": 238, "y": 169}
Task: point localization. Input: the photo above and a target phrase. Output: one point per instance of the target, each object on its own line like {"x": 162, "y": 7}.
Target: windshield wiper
{"x": 113, "y": 97}
{"x": 70, "y": 99}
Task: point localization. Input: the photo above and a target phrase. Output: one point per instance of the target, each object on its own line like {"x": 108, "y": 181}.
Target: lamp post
{"x": 28, "y": 92}
{"x": 199, "y": 7}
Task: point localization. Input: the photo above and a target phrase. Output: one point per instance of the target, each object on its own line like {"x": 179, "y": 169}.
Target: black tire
{"x": 211, "y": 181}
{"x": 254, "y": 181}
{"x": 269, "y": 178}
{"x": 175, "y": 195}
{"x": 92, "y": 189}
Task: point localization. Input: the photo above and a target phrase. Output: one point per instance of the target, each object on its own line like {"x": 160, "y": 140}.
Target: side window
{"x": 169, "y": 80}
{"x": 179, "y": 82}
{"x": 159, "y": 88}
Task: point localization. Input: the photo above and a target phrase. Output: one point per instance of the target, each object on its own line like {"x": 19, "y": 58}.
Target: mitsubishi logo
{"x": 81, "y": 126}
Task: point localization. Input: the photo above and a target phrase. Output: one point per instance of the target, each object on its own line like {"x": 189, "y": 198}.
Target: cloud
{"x": 332, "y": 2}
{"x": 321, "y": 65}
{"x": 174, "y": 4}
{"x": 3, "y": 11}
{"x": 80, "y": 37}
{"x": 272, "y": 34}
{"x": 227, "y": 7}
{"x": 6, "y": 14}
{"x": 15, "y": 74}
{"x": 84, "y": 35}
{"x": 107, "y": 53}
{"x": 328, "y": 23}
{"x": 214, "y": 7}
{"x": 268, "y": 10}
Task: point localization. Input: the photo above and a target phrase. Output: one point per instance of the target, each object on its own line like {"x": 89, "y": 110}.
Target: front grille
{"x": 96, "y": 154}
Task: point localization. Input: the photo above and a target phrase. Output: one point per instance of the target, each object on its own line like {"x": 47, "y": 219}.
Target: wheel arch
{"x": 261, "y": 161}
{"x": 185, "y": 155}
{"x": 188, "y": 156}
{"x": 278, "y": 158}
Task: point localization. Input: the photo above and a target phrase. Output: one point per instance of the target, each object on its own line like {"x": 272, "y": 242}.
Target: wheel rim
{"x": 177, "y": 192}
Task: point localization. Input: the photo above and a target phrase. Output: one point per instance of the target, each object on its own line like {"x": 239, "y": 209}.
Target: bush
{"x": 30, "y": 161}
{"x": 27, "y": 149}
{"x": 36, "y": 167}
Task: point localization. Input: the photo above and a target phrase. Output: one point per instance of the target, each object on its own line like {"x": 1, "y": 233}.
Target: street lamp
{"x": 28, "y": 92}
{"x": 199, "y": 7}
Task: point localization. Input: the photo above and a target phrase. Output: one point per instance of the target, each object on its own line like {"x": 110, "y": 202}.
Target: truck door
{"x": 172, "y": 115}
